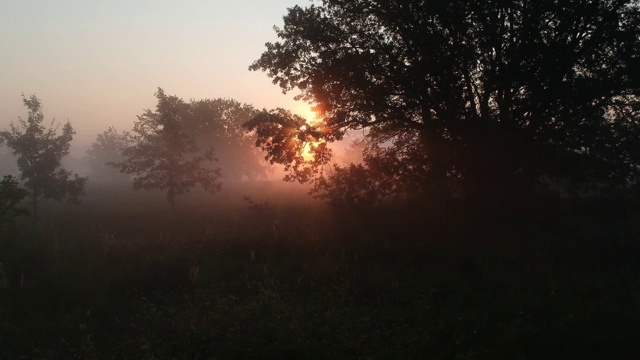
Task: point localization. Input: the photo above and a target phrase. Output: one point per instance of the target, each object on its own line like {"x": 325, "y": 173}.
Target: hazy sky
{"x": 99, "y": 62}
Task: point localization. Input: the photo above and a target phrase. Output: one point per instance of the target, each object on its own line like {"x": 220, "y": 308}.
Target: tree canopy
{"x": 284, "y": 136}
{"x": 162, "y": 156}
{"x": 219, "y": 123}
{"x": 488, "y": 97}
{"x": 39, "y": 152}
{"x": 106, "y": 149}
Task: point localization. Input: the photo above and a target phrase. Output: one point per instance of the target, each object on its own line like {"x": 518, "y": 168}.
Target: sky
{"x": 98, "y": 63}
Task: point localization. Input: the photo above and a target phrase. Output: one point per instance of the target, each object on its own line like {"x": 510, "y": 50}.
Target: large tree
{"x": 39, "y": 151}
{"x": 489, "y": 96}
{"x": 162, "y": 156}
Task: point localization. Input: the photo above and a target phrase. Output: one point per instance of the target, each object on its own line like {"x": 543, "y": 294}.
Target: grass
{"x": 114, "y": 280}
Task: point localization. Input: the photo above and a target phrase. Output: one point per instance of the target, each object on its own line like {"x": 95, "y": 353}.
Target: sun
{"x": 306, "y": 148}
{"x": 306, "y": 154}
{"x": 305, "y": 110}
{"x": 311, "y": 118}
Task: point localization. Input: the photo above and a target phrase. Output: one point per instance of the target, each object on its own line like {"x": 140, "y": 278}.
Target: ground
{"x": 121, "y": 276}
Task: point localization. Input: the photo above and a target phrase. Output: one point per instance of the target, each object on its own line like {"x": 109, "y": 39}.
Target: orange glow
{"x": 306, "y": 155}
{"x": 306, "y": 150}
{"x": 312, "y": 119}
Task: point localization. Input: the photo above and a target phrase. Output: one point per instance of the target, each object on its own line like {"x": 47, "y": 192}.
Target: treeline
{"x": 174, "y": 148}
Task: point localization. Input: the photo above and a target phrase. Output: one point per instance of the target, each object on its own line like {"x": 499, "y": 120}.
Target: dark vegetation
{"x": 462, "y": 98}
{"x": 490, "y": 209}
{"x": 281, "y": 276}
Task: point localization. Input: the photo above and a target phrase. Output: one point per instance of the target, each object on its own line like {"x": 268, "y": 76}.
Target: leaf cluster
{"x": 283, "y": 136}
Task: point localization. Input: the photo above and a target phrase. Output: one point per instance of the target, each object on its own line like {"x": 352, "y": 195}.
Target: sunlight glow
{"x": 306, "y": 154}
{"x": 312, "y": 117}
{"x": 312, "y": 120}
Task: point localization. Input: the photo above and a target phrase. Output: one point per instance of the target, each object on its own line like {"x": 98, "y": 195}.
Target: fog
{"x": 464, "y": 183}
{"x": 99, "y": 64}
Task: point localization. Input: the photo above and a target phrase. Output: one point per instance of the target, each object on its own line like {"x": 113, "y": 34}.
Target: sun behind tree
{"x": 482, "y": 100}
{"x": 289, "y": 139}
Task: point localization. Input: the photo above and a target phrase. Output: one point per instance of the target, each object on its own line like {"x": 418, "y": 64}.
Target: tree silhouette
{"x": 162, "y": 156}
{"x": 39, "y": 152}
{"x": 284, "y": 136}
{"x": 106, "y": 149}
{"x": 219, "y": 122}
{"x": 388, "y": 166}
{"x": 489, "y": 96}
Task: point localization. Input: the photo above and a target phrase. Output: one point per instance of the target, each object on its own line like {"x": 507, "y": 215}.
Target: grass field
{"x": 122, "y": 277}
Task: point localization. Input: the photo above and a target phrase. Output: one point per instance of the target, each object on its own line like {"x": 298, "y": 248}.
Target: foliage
{"x": 11, "y": 195}
{"x": 354, "y": 185}
{"x": 162, "y": 156}
{"x": 490, "y": 96}
{"x": 108, "y": 148}
{"x": 39, "y": 151}
{"x": 284, "y": 136}
{"x": 387, "y": 168}
{"x": 219, "y": 122}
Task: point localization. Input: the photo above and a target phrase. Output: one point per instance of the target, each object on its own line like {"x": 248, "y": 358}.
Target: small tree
{"x": 162, "y": 156}
{"x": 106, "y": 149}
{"x": 40, "y": 151}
